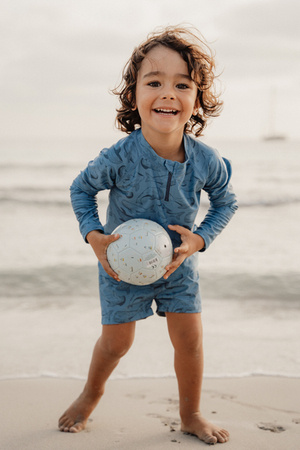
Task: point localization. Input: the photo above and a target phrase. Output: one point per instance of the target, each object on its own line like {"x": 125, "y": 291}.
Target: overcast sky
{"x": 59, "y": 59}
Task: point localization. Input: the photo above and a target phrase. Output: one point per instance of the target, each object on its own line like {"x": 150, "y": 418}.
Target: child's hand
{"x": 99, "y": 243}
{"x": 191, "y": 243}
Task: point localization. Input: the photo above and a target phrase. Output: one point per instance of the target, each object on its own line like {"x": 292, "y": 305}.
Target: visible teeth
{"x": 168, "y": 111}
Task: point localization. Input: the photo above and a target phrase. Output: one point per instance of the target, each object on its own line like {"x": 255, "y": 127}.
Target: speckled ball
{"x": 141, "y": 253}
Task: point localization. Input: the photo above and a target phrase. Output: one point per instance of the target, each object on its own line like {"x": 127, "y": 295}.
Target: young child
{"x": 157, "y": 173}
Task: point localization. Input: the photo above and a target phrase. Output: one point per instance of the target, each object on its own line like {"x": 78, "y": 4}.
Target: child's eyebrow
{"x": 157, "y": 72}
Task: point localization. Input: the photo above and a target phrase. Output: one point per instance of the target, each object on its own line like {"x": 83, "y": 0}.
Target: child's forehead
{"x": 161, "y": 58}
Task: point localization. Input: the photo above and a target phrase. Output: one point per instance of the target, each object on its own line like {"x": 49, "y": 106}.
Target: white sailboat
{"x": 272, "y": 134}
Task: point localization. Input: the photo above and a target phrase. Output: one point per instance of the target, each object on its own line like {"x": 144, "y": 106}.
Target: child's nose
{"x": 168, "y": 93}
{"x": 168, "y": 96}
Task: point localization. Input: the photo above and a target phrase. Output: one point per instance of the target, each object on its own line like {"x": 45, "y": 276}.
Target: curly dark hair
{"x": 201, "y": 66}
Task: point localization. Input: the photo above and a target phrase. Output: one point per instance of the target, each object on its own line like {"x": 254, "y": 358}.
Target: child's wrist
{"x": 92, "y": 235}
{"x": 200, "y": 243}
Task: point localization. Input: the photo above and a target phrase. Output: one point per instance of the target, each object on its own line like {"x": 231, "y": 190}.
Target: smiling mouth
{"x": 167, "y": 112}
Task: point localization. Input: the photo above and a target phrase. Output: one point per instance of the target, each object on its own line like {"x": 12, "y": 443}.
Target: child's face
{"x": 166, "y": 97}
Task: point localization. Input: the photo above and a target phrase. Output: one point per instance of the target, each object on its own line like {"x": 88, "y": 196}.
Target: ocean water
{"x": 50, "y": 313}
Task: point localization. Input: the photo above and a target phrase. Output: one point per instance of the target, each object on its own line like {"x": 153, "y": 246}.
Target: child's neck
{"x": 167, "y": 147}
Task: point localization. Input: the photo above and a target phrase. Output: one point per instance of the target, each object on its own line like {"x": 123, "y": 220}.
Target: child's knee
{"x": 186, "y": 333}
{"x": 187, "y": 341}
{"x": 116, "y": 345}
{"x": 116, "y": 348}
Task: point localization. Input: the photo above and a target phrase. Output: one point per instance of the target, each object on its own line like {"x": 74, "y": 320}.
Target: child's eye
{"x": 154, "y": 84}
{"x": 182, "y": 86}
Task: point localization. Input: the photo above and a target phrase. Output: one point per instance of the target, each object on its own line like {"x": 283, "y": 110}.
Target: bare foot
{"x": 205, "y": 431}
{"x": 75, "y": 417}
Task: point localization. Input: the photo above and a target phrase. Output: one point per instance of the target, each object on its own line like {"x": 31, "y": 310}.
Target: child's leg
{"x": 114, "y": 342}
{"x": 186, "y": 335}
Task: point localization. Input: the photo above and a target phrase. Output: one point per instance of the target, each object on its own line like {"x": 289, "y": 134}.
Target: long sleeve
{"x": 96, "y": 177}
{"x": 223, "y": 203}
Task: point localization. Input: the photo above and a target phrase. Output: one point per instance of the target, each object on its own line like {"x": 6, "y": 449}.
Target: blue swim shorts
{"x": 122, "y": 302}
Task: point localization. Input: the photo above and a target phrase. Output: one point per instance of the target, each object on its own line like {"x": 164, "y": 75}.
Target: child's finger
{"x": 169, "y": 272}
{"x": 109, "y": 270}
{"x": 112, "y": 238}
{"x": 177, "y": 261}
{"x": 182, "y": 249}
{"x": 111, "y": 273}
{"x": 170, "y": 268}
{"x": 179, "y": 229}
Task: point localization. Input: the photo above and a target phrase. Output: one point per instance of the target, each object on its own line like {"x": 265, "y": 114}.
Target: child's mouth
{"x": 167, "y": 112}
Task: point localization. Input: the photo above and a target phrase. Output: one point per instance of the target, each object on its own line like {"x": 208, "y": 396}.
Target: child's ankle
{"x": 189, "y": 417}
{"x": 92, "y": 393}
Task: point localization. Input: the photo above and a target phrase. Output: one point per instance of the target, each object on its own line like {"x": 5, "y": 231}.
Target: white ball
{"x": 141, "y": 253}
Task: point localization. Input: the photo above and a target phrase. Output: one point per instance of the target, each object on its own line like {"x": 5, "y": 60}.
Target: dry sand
{"x": 261, "y": 413}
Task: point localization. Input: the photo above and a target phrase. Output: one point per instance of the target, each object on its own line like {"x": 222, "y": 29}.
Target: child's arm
{"x": 222, "y": 199}
{"x": 223, "y": 205}
{"x": 98, "y": 175}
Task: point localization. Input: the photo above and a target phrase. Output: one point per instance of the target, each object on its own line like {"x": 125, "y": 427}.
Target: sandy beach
{"x": 261, "y": 413}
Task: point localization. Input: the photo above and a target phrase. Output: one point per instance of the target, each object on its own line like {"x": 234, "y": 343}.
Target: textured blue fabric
{"x": 144, "y": 185}
{"x": 122, "y": 302}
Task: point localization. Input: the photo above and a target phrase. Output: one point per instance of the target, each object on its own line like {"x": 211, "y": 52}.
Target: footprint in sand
{"x": 271, "y": 427}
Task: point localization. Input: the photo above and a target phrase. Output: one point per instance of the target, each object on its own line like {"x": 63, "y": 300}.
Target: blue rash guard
{"x": 144, "y": 185}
